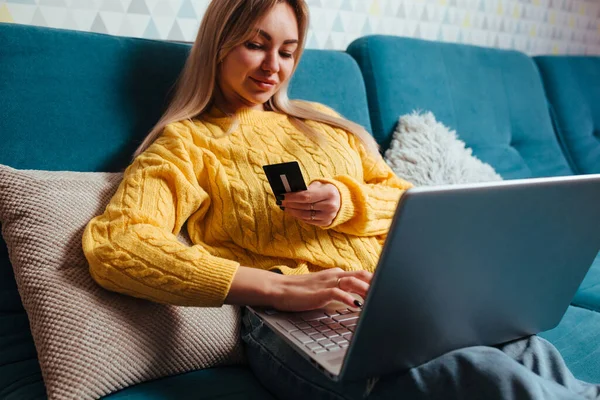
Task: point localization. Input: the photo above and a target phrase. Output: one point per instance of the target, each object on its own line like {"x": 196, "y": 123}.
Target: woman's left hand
{"x": 318, "y": 205}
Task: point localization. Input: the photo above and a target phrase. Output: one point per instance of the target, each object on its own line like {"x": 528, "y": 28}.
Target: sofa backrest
{"x": 84, "y": 101}
{"x": 332, "y": 78}
{"x": 79, "y": 101}
{"x": 572, "y": 85}
{"x": 493, "y": 98}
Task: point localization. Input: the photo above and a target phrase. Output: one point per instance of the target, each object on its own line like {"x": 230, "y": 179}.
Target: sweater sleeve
{"x": 132, "y": 247}
{"x": 367, "y": 205}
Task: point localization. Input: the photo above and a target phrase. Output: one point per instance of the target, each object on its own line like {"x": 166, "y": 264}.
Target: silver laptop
{"x": 463, "y": 265}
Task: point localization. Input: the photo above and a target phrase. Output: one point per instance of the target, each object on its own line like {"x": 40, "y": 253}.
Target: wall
{"x": 531, "y": 26}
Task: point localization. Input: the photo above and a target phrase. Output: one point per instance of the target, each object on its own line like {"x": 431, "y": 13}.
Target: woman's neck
{"x": 232, "y": 107}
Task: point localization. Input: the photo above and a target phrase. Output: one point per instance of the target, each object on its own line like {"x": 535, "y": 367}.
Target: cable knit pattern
{"x": 198, "y": 172}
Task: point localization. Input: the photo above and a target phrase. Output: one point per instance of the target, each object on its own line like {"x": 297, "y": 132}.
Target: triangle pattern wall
{"x": 531, "y": 26}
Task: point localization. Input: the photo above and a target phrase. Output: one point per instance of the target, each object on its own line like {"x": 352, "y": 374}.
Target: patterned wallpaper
{"x": 531, "y": 26}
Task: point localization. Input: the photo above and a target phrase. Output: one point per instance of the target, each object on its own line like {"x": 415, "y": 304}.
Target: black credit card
{"x": 285, "y": 177}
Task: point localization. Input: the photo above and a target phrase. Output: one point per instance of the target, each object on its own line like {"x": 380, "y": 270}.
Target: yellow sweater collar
{"x": 244, "y": 116}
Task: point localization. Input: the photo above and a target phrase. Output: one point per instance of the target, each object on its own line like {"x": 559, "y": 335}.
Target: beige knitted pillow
{"x": 90, "y": 341}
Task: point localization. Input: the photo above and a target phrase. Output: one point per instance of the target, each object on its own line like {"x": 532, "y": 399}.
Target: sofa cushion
{"x": 79, "y": 101}
{"x": 20, "y": 374}
{"x": 577, "y": 337}
{"x": 332, "y": 78}
{"x": 493, "y": 98}
{"x": 94, "y": 97}
{"x": 91, "y": 342}
{"x": 572, "y": 85}
{"x": 588, "y": 295}
{"x": 224, "y": 383}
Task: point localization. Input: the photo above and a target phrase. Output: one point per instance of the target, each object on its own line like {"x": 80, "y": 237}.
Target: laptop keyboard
{"x": 322, "y": 330}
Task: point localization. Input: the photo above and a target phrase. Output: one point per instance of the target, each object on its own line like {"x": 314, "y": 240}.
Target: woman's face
{"x": 252, "y": 72}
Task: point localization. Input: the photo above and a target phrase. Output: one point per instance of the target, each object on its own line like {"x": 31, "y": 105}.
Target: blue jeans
{"x": 530, "y": 368}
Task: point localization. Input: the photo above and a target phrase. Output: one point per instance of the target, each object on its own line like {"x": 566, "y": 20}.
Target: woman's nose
{"x": 271, "y": 63}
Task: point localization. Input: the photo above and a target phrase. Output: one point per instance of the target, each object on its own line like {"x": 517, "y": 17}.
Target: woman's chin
{"x": 260, "y": 98}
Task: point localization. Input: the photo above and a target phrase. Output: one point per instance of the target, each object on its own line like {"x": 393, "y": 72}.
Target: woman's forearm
{"x": 254, "y": 287}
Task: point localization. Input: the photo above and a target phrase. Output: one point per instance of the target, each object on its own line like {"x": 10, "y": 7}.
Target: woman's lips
{"x": 263, "y": 85}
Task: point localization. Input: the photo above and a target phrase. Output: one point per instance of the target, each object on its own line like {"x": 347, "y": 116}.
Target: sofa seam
{"x": 585, "y": 308}
{"x": 376, "y": 112}
{"x": 510, "y": 120}
{"x": 558, "y": 131}
{"x": 581, "y": 92}
{"x": 449, "y": 91}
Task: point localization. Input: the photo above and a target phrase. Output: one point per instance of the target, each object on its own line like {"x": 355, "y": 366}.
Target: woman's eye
{"x": 253, "y": 46}
{"x": 286, "y": 55}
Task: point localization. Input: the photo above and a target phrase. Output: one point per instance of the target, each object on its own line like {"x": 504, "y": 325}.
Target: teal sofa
{"x": 83, "y": 101}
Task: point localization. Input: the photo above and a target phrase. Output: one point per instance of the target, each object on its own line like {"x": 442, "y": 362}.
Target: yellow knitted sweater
{"x": 196, "y": 173}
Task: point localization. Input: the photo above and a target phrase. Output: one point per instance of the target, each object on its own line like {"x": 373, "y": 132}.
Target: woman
{"x": 202, "y": 164}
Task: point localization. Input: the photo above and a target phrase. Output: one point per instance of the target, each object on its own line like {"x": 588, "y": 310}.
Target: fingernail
{"x": 358, "y": 303}
{"x": 278, "y": 202}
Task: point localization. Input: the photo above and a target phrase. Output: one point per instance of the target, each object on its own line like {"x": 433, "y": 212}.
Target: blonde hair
{"x": 227, "y": 24}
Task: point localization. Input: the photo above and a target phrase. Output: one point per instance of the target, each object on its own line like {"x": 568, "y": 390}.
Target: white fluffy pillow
{"x": 426, "y": 153}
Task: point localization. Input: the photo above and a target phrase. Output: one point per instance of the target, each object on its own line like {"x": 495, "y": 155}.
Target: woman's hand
{"x": 317, "y": 290}
{"x": 318, "y": 205}
{"x": 258, "y": 287}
